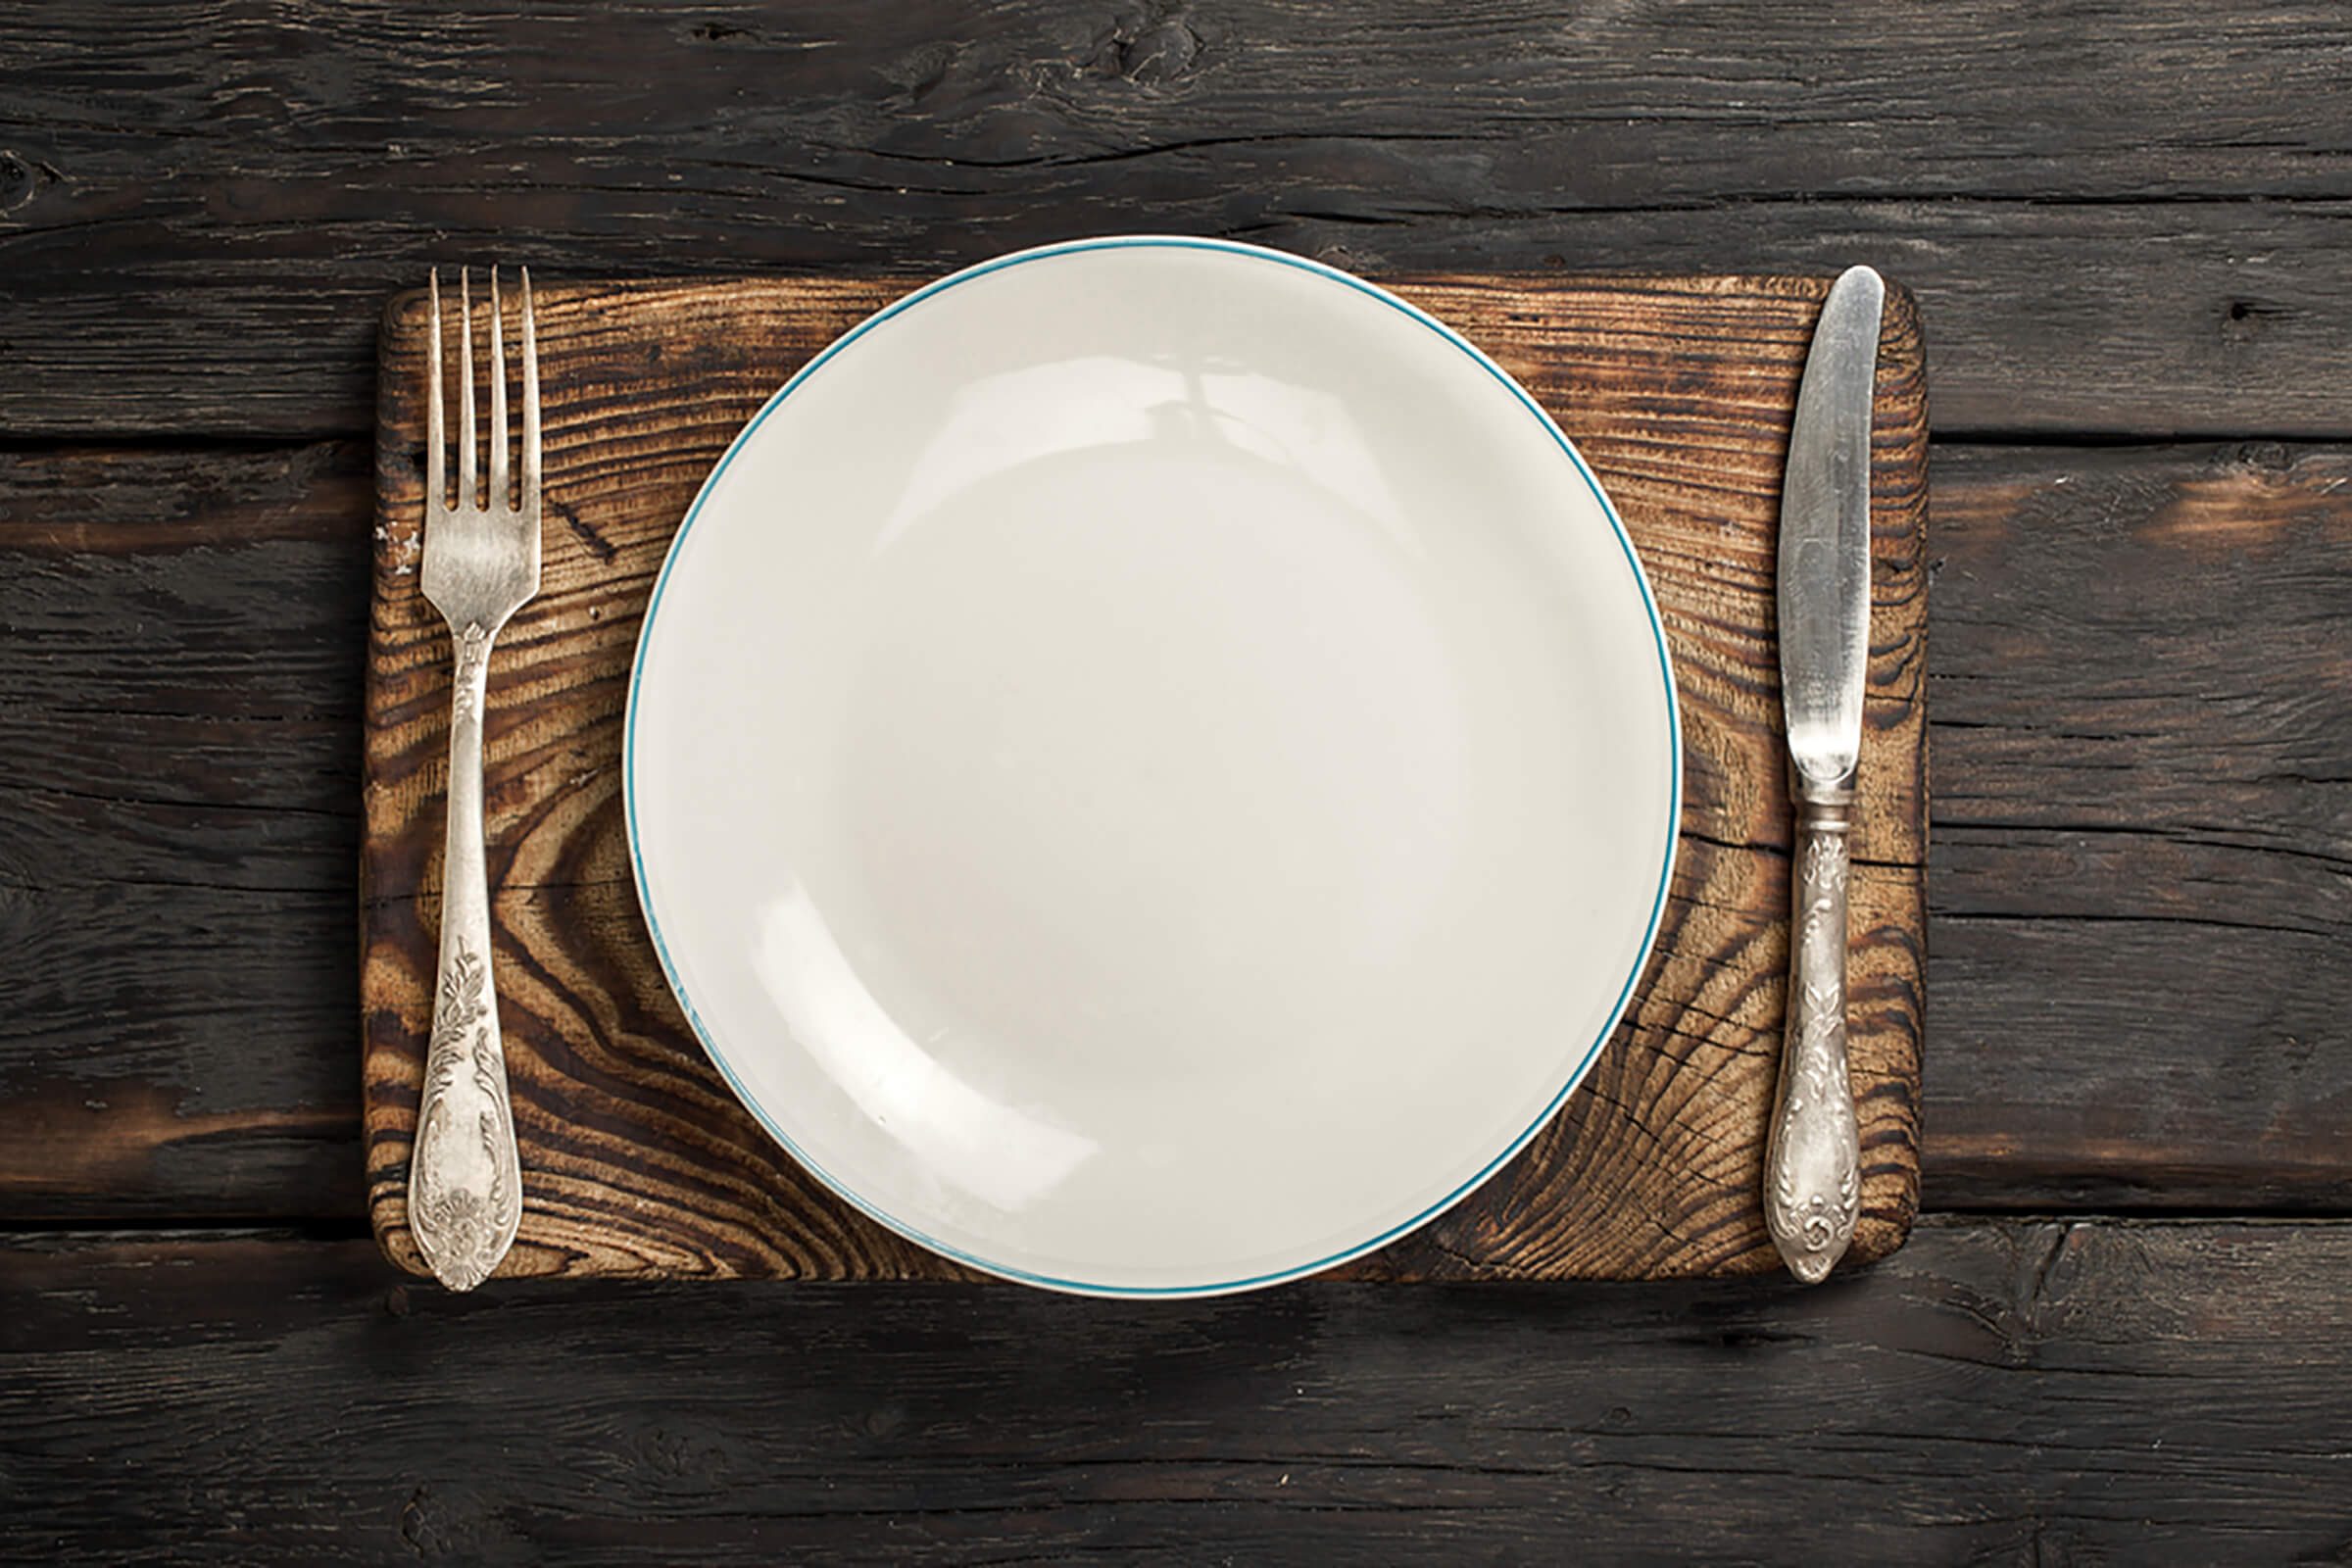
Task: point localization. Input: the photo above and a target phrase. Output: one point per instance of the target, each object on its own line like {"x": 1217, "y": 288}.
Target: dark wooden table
{"x": 2124, "y": 1331}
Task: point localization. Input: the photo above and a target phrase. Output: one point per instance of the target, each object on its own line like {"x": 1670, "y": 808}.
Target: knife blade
{"x": 1812, "y": 1166}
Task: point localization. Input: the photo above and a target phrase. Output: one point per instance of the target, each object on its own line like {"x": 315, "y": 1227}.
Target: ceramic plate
{"x": 1151, "y": 766}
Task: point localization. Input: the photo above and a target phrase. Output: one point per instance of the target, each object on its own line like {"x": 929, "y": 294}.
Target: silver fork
{"x": 481, "y": 564}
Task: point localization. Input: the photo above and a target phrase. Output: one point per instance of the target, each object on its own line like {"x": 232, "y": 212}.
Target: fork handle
{"x": 464, "y": 1175}
{"x": 1812, "y": 1176}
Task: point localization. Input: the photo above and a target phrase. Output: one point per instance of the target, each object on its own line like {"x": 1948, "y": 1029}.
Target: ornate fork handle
{"x": 464, "y": 1176}
{"x": 1812, "y": 1165}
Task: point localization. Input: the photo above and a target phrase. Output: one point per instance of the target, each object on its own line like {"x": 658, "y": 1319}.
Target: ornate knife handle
{"x": 1812, "y": 1165}
{"x": 464, "y": 1176}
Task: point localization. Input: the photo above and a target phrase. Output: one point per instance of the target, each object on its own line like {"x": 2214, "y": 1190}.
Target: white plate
{"x": 1151, "y": 766}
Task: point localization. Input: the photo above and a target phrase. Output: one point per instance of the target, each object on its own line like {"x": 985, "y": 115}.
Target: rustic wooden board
{"x": 637, "y": 1159}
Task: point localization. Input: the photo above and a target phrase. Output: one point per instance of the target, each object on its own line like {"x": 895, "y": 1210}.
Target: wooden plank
{"x": 1679, "y": 393}
{"x": 179, "y": 701}
{"x": 1998, "y": 1391}
{"x": 2142, "y": 866}
{"x": 2121, "y": 220}
{"x": 183, "y": 1048}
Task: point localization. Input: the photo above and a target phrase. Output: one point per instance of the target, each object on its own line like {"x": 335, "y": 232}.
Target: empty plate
{"x": 1151, "y": 766}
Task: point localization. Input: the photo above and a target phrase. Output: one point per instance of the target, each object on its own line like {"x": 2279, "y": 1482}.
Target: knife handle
{"x": 1812, "y": 1162}
{"x": 464, "y": 1176}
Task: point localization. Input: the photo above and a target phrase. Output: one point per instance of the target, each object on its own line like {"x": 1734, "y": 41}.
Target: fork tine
{"x": 530, "y": 397}
{"x": 465, "y": 430}
{"x": 496, "y": 499}
{"x": 436, "y": 436}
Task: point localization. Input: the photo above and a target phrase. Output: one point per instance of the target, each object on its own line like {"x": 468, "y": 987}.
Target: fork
{"x": 481, "y": 564}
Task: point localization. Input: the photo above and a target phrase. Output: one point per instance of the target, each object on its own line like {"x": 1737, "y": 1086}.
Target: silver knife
{"x": 1812, "y": 1163}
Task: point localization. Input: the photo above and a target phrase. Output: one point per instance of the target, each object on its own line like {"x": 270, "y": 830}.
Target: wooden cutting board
{"x": 636, "y": 1160}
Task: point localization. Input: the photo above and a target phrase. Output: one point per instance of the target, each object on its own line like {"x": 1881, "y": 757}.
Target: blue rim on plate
{"x": 1256, "y": 253}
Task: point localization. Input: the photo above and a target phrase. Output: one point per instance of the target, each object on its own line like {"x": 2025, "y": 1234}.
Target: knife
{"x": 1812, "y": 1162}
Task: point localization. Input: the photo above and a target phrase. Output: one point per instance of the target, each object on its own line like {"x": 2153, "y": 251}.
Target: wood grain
{"x": 2124, "y": 222}
{"x": 177, "y": 934}
{"x": 638, "y": 1162}
{"x": 2124, "y": 219}
{"x": 2143, "y": 849}
{"x": 1999, "y": 1391}
{"x": 179, "y": 711}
